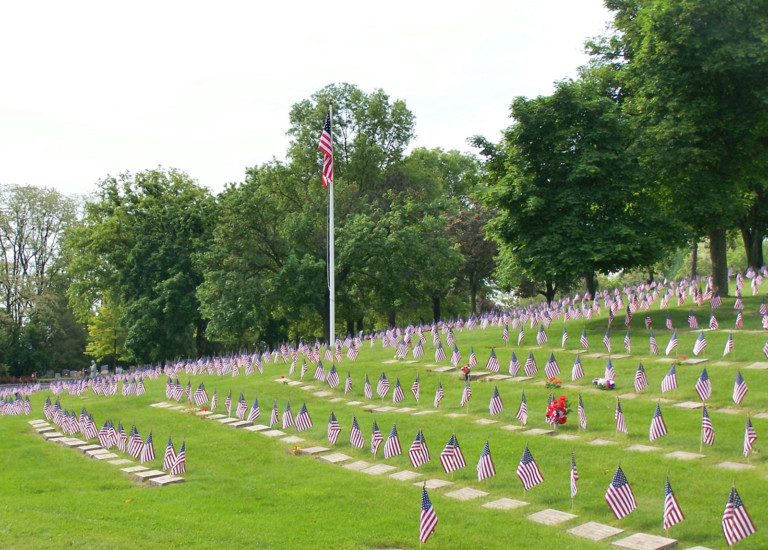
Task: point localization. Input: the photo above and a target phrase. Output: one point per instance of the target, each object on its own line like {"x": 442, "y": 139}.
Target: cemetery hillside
{"x": 559, "y": 336}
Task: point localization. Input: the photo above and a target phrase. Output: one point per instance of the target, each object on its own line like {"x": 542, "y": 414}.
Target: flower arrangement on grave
{"x": 557, "y": 411}
{"x": 296, "y": 450}
{"x": 604, "y": 383}
{"x": 553, "y": 383}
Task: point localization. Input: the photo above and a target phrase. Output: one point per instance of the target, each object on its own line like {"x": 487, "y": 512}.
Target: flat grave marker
{"x": 467, "y": 493}
{"x": 594, "y": 531}
{"x": 643, "y": 541}
{"x": 505, "y": 504}
{"x": 551, "y": 517}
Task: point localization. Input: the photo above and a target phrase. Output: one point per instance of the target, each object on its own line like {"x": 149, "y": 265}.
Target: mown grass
{"x": 244, "y": 489}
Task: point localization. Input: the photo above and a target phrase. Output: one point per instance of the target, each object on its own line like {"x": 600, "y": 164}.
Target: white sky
{"x": 91, "y": 88}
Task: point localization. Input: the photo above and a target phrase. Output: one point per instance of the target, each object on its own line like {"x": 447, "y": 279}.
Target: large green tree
{"x": 138, "y": 240}
{"x": 571, "y": 197}
{"x": 695, "y": 74}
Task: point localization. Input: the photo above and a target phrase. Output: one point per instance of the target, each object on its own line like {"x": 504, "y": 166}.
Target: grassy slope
{"x": 245, "y": 489}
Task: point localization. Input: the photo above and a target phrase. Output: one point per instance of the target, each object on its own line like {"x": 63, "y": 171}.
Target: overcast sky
{"x": 97, "y": 88}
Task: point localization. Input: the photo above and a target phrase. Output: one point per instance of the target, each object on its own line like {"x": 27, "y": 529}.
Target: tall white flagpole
{"x": 331, "y": 253}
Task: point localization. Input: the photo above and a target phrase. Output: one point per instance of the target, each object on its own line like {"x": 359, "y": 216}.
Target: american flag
{"x": 668, "y": 322}
{"x": 583, "y": 340}
{"x": 582, "y": 415}
{"x": 739, "y": 388}
{"x": 242, "y": 406}
{"x": 287, "y": 416}
{"x": 716, "y": 301}
{"x": 455, "y": 356}
{"x": 398, "y": 394}
{"x": 541, "y": 336}
{"x": 415, "y": 387}
{"x": 319, "y": 372}
{"x": 641, "y": 380}
{"x": 334, "y": 429}
{"x": 333, "y": 377}
{"x": 472, "y": 357}
{"x": 376, "y": 438}
{"x": 728, "y": 345}
{"x": 628, "y": 342}
{"x": 610, "y": 373}
{"x": 274, "y": 417}
{"x": 628, "y": 317}
{"x": 418, "y": 454}
{"x": 648, "y": 321}
{"x": 180, "y": 464}
{"x": 520, "y": 335}
{"x": 619, "y": 418}
{"x": 367, "y": 388}
{"x": 713, "y": 324}
{"x": 522, "y": 411}
{"x": 418, "y": 350}
{"x": 514, "y": 364}
{"x": 495, "y": 406}
{"x": 577, "y": 371}
{"x": 707, "y": 431}
{"x": 355, "y": 435}
{"x": 763, "y": 307}
{"x": 703, "y": 386}
{"x": 255, "y": 411}
{"x": 530, "y": 365}
{"x": 700, "y": 344}
{"x": 382, "y": 388}
{"x": 493, "y": 362}
{"x": 134, "y": 443}
{"x": 201, "y": 396}
{"x": 170, "y": 456}
{"x": 574, "y": 475}
{"x": 658, "y": 427}
{"x": 619, "y": 495}
{"x": 672, "y": 343}
{"x": 392, "y": 444}
{"x": 148, "y": 450}
{"x": 736, "y": 522}
{"x": 669, "y": 382}
{"x": 439, "y": 352}
{"x": 466, "y": 394}
{"x": 739, "y": 320}
{"x": 428, "y": 519}
{"x": 528, "y": 471}
{"x": 765, "y": 348}
{"x": 692, "y": 321}
{"x": 607, "y": 340}
{"x": 228, "y": 404}
{"x": 485, "y": 467}
{"x": 438, "y": 394}
{"x": 214, "y": 400}
{"x": 505, "y": 333}
{"x": 551, "y": 369}
{"x": 402, "y": 348}
{"x": 672, "y": 512}
{"x": 564, "y": 338}
{"x": 654, "y": 345}
{"x": 303, "y": 420}
{"x": 348, "y": 384}
{"x": 452, "y": 458}
{"x": 326, "y": 146}
{"x": 303, "y": 369}
{"x": 750, "y": 435}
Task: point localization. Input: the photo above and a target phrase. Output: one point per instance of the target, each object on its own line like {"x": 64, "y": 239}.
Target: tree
{"x": 140, "y": 237}
{"x": 696, "y": 73}
{"x": 107, "y": 335}
{"x": 570, "y": 196}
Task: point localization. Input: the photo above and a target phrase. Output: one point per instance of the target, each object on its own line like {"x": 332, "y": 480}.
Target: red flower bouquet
{"x": 557, "y": 411}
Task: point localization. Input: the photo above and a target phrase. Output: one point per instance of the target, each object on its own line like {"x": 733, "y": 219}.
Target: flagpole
{"x": 331, "y": 252}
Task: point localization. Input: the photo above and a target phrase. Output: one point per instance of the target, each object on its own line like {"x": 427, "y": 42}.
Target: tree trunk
{"x": 473, "y": 298}
{"x": 753, "y": 245}
{"x": 359, "y": 325}
{"x": 650, "y": 275}
{"x": 694, "y": 260}
{"x": 718, "y": 254}
{"x": 589, "y": 280}
{"x": 550, "y": 292}
{"x": 436, "y": 308}
{"x": 391, "y": 318}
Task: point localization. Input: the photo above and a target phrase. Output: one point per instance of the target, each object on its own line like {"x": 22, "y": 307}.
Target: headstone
{"x": 642, "y": 448}
{"x": 307, "y": 388}
{"x": 478, "y": 375}
{"x": 551, "y": 517}
{"x": 295, "y": 383}
{"x": 161, "y": 405}
{"x": 626, "y": 396}
{"x": 683, "y": 455}
{"x": 38, "y": 422}
{"x": 134, "y": 469}
{"x": 322, "y": 393}
{"x": 162, "y": 481}
{"x": 443, "y": 369}
{"x": 405, "y": 475}
{"x": 52, "y": 436}
{"x": 455, "y": 415}
{"x": 313, "y": 450}
{"x": 240, "y": 424}
{"x": 735, "y": 466}
{"x": 337, "y": 400}
{"x": 689, "y": 405}
{"x": 45, "y": 429}
{"x": 486, "y": 421}
{"x": 177, "y": 408}
{"x": 378, "y": 469}
{"x": 384, "y": 409}
{"x": 370, "y": 407}
{"x": 104, "y": 456}
{"x": 357, "y": 465}
{"x": 203, "y": 414}
{"x": 292, "y": 439}
{"x": 467, "y": 493}
{"x": 567, "y": 437}
{"x": 272, "y": 433}
{"x": 728, "y": 411}
{"x": 697, "y": 361}
{"x": 404, "y": 410}
{"x": 216, "y": 416}
{"x": 520, "y": 379}
{"x": 643, "y": 541}
{"x": 435, "y": 483}
{"x": 146, "y": 475}
{"x": 97, "y": 452}
{"x": 760, "y": 415}
{"x": 758, "y": 366}
{"x": 600, "y": 442}
{"x": 427, "y": 411}
{"x": 256, "y": 428}
{"x": 228, "y": 420}
{"x": 538, "y": 431}
{"x": 594, "y": 531}
{"x": 335, "y": 458}
{"x": 499, "y": 377}
{"x": 505, "y": 504}
{"x": 86, "y": 448}
{"x": 354, "y": 403}
{"x": 512, "y": 427}
{"x": 120, "y": 461}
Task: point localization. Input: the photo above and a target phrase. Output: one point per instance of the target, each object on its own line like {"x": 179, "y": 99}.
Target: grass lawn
{"x": 245, "y": 489}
